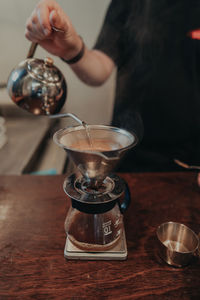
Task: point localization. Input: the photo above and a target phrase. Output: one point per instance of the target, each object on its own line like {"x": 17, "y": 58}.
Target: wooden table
{"x": 32, "y": 238}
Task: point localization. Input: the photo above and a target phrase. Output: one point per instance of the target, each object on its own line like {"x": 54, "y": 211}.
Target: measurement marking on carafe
{"x": 107, "y": 228}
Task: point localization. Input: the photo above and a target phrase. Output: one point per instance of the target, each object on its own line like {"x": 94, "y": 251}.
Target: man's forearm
{"x": 94, "y": 67}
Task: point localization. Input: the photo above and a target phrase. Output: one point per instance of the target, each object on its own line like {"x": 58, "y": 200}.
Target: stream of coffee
{"x": 93, "y": 144}
{"x": 87, "y": 130}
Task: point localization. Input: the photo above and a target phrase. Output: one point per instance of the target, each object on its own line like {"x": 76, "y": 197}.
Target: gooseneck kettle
{"x": 37, "y": 85}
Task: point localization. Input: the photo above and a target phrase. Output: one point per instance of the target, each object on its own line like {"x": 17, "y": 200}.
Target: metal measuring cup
{"x": 177, "y": 244}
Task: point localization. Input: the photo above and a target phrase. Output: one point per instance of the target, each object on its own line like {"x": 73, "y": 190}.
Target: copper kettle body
{"x": 37, "y": 85}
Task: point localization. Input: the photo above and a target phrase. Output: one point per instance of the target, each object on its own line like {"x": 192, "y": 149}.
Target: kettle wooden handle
{"x": 33, "y": 46}
{"x": 32, "y": 49}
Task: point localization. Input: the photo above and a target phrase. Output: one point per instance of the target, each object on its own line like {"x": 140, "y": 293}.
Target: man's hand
{"x": 39, "y": 28}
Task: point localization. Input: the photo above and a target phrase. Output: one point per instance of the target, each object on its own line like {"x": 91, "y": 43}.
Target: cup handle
{"x": 127, "y": 199}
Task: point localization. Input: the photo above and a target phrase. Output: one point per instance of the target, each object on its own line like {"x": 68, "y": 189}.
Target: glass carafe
{"x": 95, "y": 220}
{"x": 94, "y": 231}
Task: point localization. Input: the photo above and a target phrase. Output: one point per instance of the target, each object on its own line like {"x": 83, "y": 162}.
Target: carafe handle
{"x": 127, "y": 199}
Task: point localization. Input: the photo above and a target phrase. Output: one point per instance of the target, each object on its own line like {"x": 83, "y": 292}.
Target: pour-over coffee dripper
{"x": 95, "y": 149}
{"x": 94, "y": 222}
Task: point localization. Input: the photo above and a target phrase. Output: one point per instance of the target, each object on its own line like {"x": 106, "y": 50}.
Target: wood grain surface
{"x": 32, "y": 238}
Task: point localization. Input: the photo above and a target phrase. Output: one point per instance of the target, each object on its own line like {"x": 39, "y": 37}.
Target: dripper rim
{"x": 126, "y": 132}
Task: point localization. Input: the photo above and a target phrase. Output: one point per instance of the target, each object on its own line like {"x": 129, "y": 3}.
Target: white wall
{"x": 87, "y": 17}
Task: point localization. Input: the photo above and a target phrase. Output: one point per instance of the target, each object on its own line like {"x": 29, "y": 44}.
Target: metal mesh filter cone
{"x": 95, "y": 149}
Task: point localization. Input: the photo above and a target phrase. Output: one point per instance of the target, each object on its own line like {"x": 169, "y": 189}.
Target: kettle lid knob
{"x": 48, "y": 61}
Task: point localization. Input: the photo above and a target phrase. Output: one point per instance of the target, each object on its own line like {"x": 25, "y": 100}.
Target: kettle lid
{"x": 44, "y": 70}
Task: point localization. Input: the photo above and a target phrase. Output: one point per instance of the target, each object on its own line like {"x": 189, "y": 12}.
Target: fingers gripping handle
{"x": 33, "y": 46}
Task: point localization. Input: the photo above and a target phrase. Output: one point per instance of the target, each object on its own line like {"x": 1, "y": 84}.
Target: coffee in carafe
{"x": 97, "y": 232}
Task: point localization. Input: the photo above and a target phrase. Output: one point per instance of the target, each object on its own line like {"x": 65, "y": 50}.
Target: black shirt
{"x": 158, "y": 69}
